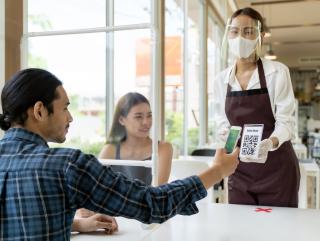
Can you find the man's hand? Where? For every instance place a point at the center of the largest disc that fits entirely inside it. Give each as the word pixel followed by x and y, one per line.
pixel 84 213
pixel 95 222
pixel 227 163
pixel 223 165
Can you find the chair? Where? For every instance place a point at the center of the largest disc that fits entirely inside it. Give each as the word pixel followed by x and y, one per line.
pixel 219 187
pixel 203 152
pixel 184 168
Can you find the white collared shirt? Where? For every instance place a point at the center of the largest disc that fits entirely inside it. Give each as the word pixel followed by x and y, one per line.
pixel 280 92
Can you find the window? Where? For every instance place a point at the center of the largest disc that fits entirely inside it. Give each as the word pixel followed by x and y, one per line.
pixel 128 12
pixel 193 72
pixel 214 42
pixel 132 63
pixel 60 15
pixel 71 39
pixel 102 49
pixel 174 74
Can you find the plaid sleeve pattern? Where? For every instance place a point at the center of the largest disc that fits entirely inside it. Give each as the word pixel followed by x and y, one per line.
pixel 98 188
pixel 33 201
pixel 41 187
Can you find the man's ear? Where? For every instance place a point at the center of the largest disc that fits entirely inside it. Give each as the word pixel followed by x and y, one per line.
pixel 40 112
pixel 121 120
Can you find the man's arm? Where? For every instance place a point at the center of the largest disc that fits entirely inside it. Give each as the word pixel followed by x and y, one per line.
pixel 97 188
pixel 223 165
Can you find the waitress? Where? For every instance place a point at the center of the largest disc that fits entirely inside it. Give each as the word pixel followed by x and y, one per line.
pixel 255 91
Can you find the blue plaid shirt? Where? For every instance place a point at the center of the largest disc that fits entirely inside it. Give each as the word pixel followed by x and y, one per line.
pixel 41 187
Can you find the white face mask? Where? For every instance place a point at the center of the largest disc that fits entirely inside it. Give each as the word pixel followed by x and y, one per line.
pixel 241 47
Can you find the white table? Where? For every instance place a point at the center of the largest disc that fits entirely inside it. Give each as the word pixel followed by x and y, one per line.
pixel 225 222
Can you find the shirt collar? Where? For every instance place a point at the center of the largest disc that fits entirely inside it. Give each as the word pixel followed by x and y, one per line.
pixel 231 75
pixel 268 68
pixel 25 135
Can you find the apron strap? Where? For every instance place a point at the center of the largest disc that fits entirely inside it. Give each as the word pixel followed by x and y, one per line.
pixel 262 77
pixel 228 89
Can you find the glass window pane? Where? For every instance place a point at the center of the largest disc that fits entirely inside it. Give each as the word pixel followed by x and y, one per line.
pixel 132 62
pixel 79 62
pixel 131 12
pixel 214 66
pixel 193 73
pixel 44 15
pixel 173 74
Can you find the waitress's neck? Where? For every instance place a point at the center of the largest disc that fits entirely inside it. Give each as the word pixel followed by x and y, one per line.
pixel 244 65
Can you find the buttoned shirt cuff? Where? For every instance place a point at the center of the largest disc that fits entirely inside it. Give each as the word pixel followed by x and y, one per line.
pixel 282 136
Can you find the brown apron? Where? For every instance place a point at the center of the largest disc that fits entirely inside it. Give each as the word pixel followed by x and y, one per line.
pixel 276 182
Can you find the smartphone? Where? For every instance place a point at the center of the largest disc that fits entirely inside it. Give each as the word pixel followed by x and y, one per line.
pixel 233 138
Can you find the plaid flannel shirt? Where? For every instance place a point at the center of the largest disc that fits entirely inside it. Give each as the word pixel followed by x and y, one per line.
pixel 41 187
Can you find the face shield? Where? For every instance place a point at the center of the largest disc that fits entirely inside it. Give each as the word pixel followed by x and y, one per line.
pixel 242 40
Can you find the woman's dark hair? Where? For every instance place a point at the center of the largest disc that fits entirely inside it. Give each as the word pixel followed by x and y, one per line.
pixel 250 12
pixel 124 105
pixel 22 91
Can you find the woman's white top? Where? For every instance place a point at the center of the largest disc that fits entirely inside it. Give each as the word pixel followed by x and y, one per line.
pixel 280 92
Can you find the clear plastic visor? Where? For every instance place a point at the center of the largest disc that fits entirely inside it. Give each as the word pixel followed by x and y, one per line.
pixel 248 32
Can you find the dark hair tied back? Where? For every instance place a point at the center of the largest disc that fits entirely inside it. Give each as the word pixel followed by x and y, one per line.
pixel 23 90
pixel 4 122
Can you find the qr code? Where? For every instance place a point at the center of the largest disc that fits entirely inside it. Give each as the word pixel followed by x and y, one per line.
pixel 249 145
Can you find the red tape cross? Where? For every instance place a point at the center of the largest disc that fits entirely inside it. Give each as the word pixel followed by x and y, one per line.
pixel 266 210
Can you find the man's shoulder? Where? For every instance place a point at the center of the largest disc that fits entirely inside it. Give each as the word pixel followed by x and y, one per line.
pixel 66 155
pixel 32 156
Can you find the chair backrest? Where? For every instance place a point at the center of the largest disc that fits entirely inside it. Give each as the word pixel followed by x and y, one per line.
pixel 203 152
pixel 185 168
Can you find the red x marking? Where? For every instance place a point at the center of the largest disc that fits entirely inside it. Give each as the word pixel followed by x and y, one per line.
pixel 266 210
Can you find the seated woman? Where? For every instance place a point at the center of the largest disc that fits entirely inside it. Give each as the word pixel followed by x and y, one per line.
pixel 129 140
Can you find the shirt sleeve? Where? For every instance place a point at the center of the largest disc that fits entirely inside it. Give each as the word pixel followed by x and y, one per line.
pixel 219 99
pixel 284 107
pixel 100 189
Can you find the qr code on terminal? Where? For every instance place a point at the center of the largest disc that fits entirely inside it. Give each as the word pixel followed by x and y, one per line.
pixel 249 145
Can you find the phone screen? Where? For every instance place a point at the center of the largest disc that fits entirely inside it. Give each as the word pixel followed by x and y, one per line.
pixel 232 140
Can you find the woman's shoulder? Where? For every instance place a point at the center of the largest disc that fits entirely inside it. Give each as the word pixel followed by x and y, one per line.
pixel 108 151
pixel 222 74
pixel 164 145
pixel 274 65
pixel 165 149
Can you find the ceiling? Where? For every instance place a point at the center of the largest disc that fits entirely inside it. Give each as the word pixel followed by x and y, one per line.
pixel 295 30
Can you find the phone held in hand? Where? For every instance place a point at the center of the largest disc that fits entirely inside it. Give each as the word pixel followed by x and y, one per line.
pixel 232 139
